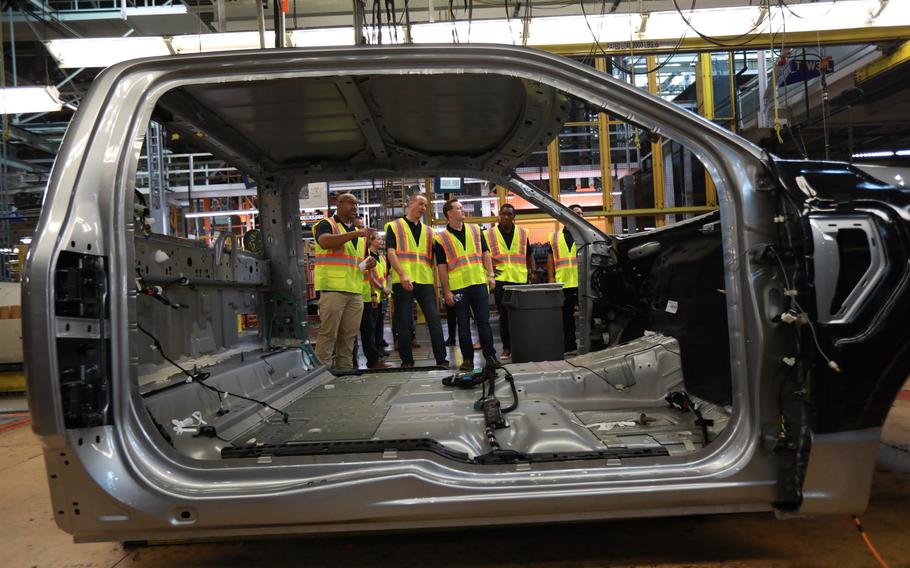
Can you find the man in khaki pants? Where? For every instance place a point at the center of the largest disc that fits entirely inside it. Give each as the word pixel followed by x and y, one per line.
pixel 341 262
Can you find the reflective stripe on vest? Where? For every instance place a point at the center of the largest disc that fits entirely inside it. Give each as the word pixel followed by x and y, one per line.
pixel 336 269
pixel 565 260
pixel 512 261
pixel 415 257
pixel 464 263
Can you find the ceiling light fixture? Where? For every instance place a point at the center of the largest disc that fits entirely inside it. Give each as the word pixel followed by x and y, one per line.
pixel 20 100
pixel 611 30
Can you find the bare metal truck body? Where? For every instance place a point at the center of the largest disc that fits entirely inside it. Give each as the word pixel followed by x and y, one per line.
pixel 801 402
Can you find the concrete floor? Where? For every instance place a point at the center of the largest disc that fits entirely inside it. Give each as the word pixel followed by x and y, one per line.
pixel 29 537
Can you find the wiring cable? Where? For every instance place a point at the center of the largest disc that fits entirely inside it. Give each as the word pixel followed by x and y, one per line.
pixel 200 377
pixel 795 303
pixel 717 41
pixel 862 533
pixel 597 44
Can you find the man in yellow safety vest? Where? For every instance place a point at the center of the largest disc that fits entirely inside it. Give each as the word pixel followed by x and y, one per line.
pixel 513 260
pixel 341 261
pixel 466 275
pixel 409 248
pixel 562 266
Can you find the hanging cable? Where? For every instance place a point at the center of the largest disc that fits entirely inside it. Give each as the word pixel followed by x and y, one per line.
pixel 859 526
pixel 717 41
pixel 199 377
pixel 673 52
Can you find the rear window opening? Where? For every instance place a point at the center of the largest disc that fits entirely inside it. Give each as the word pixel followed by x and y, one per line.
pixel 226 308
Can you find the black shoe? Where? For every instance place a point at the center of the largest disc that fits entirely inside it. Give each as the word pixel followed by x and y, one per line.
pixel 450 342
pixel 444 365
pixel 383 343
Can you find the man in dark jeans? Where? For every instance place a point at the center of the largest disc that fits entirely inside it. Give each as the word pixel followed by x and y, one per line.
pixel 466 275
pixel 562 266
pixel 409 248
pixel 513 262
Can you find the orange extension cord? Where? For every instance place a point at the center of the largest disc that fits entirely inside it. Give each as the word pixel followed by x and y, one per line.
pixel 859 526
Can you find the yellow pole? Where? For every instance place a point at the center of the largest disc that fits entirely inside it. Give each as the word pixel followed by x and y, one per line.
pixel 704 92
pixel 430 215
pixel 603 140
pixel 553 167
pixel 502 193
pixel 657 152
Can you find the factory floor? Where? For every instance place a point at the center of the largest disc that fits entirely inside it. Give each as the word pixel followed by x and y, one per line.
pixel 29 537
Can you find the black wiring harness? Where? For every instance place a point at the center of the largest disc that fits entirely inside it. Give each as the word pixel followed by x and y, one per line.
pixel 199 377
pixel 489 404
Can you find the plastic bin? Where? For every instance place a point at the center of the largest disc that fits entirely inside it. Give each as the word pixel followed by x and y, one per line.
pixel 535 321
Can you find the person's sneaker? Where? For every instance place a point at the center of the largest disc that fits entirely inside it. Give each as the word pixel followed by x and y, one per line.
pixel 466 366
pixel 407 366
pixel 379 365
pixel 450 342
pixel 506 354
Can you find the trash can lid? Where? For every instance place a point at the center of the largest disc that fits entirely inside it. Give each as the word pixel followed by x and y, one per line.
pixel 534 287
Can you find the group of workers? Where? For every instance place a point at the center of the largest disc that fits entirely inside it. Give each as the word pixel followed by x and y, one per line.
pixel 352 280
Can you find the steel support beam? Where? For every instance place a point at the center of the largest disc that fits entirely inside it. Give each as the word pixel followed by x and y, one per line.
pixel 33 140
pixel 704 92
pixel 553 166
pixel 893 59
pixel 657 150
pixel 603 146
pixel 358 105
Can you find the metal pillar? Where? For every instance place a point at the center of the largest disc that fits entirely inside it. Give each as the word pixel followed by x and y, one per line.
pixel 154 149
pixel 279 23
pixel 260 18
pixel 430 215
pixel 704 90
pixel 502 193
pixel 553 166
pixel 603 146
pixel 359 10
pixel 657 151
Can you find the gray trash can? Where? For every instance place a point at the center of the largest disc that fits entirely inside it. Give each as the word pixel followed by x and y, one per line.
pixel 535 321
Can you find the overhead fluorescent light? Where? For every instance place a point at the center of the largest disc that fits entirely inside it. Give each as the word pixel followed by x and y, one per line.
pixel 615 193
pixel 200 214
pixel 902 153
pixel 19 100
pixel 614 31
pixel 104 52
pixel 881 154
pixel 26 240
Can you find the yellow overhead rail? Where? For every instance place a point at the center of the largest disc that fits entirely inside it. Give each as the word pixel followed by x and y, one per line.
pixel 886 62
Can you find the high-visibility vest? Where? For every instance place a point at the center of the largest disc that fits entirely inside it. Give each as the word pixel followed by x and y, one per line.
pixel 464 262
pixel 370 293
pixel 416 258
pixel 565 260
pixel 511 261
pixel 336 269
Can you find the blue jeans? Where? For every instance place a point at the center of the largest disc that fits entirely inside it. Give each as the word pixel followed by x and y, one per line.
pixel 425 294
pixel 476 299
